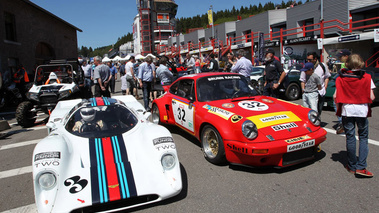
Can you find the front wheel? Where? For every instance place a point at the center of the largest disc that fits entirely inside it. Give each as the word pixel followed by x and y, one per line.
pixel 24 115
pixel 213 146
pixel 155 117
pixel 293 92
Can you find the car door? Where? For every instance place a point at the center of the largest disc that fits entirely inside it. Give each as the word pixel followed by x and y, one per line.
pixel 183 95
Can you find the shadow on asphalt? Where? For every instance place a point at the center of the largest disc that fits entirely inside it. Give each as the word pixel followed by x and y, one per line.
pixel 267 170
pixel 182 195
pixel 340 157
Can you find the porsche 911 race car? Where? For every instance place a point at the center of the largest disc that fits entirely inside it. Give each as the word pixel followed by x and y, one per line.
pixel 235 123
pixel 103 155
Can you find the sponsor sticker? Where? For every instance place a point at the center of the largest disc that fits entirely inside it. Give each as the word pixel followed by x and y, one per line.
pixel 267 100
pixel 284 126
pixel 301 145
pixel 218 111
pixel 274 118
pixel 236 118
pixel 165 147
pixel 253 105
pixel 228 105
pixel 301 138
pixel 47 155
pixel 161 140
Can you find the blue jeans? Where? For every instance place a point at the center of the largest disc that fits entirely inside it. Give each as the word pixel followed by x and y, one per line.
pixel 146 88
pixel 353 161
pixel 310 100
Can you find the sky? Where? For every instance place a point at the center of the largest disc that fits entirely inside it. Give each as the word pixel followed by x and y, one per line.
pixel 103 22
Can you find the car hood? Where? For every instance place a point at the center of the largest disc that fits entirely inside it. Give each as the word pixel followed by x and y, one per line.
pixel 124 166
pixel 276 119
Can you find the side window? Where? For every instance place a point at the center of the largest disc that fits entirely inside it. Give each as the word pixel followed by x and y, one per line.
pixel 174 88
pixel 186 89
pixel 183 88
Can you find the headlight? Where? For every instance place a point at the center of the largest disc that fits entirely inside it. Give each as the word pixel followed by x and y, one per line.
pixel 168 161
pixel 314 117
pixel 249 130
pixel 32 96
pixel 47 180
pixel 64 94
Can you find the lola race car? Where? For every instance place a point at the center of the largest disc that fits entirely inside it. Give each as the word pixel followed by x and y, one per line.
pixel 234 123
pixel 102 155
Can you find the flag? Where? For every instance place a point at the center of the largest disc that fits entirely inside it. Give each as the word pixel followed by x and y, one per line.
pixel 210 17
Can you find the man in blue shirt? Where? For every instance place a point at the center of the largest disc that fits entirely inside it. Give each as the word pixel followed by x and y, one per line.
pixel 146 75
pixel 243 66
pixel 114 76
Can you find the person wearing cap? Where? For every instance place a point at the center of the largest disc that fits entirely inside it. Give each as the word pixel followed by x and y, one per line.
pixel 342 55
pixel 310 86
pixel 323 72
pixel 353 96
pixel 274 74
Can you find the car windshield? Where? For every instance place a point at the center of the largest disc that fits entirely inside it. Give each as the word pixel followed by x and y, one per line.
pixel 49 74
pixel 221 87
pixel 257 71
pixel 101 121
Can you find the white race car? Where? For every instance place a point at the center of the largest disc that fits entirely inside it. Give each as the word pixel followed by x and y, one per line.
pixel 103 155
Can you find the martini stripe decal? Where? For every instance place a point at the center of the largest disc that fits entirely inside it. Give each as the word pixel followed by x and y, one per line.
pixel 111 172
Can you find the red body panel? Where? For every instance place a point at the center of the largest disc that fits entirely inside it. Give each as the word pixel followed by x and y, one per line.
pixel 276 120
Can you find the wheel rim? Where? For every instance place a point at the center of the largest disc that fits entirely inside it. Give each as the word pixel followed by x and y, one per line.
pixel 155 115
pixel 210 143
pixel 293 92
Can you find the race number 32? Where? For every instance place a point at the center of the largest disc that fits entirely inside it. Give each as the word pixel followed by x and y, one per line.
pixel 253 105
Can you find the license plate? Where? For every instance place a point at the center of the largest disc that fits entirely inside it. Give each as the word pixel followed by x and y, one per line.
pixel 302 145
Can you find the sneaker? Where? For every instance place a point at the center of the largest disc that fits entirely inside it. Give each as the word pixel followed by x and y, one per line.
pixel 340 130
pixel 363 172
pixel 349 170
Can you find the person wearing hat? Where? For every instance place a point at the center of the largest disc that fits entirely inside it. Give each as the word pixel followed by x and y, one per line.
pixel 342 55
pixel 310 86
pixel 274 74
pixel 353 96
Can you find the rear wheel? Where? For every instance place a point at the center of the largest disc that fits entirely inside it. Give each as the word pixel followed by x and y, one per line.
pixel 293 92
pixel 24 115
pixel 213 146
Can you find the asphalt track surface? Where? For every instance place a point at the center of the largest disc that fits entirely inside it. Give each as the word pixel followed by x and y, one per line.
pixel 322 185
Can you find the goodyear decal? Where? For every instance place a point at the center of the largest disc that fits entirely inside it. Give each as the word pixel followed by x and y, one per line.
pixel 111 173
pixel 219 112
pixel 271 119
pixel 301 138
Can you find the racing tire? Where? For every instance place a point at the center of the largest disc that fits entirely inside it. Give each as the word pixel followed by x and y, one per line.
pixel 24 116
pixel 212 145
pixel 293 92
pixel 155 115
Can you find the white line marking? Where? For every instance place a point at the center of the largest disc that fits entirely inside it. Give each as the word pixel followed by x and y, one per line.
pixel 15 145
pixel 373 142
pixel 14 172
pixel 22 209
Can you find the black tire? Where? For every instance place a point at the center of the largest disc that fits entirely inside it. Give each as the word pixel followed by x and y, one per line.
pixel 212 145
pixel 293 92
pixel 155 115
pixel 24 116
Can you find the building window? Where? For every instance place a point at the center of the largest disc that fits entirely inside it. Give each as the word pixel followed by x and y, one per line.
pixel 10 27
pixel 163 18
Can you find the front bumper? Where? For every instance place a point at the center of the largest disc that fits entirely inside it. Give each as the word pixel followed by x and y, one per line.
pixel 275 153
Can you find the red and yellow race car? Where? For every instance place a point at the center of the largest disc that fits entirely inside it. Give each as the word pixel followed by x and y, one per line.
pixel 235 123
